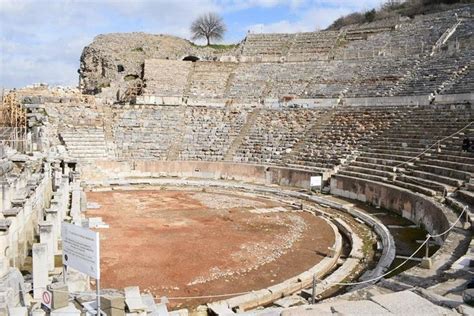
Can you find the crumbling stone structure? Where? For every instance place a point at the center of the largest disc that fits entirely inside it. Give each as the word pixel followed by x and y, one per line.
pixel 116 61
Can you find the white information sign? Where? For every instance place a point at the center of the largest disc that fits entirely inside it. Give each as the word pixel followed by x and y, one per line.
pixel 316 181
pixel 81 249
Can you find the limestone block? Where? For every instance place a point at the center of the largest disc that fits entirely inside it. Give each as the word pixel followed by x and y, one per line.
pixel 38 312
pixel 308 310
pixel 114 302
pixel 18 311
pixel 136 314
pixel 69 310
pixel 289 301
pixel 47 237
pixel 426 263
pixel 113 311
pixel 358 308
pixel 40 269
pixel 133 299
pixel 406 303
pixel 60 295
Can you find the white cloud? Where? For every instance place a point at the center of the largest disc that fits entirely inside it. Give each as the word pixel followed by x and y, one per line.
pixel 235 5
pixel 311 15
pixel 41 40
pixel 311 20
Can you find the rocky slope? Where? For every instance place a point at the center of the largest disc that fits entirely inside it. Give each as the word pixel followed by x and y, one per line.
pixel 117 59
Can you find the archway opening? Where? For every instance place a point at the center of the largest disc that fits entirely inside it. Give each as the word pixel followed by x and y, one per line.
pixel 191 58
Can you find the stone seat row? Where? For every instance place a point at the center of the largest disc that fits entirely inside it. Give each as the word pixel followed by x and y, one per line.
pixel 402 154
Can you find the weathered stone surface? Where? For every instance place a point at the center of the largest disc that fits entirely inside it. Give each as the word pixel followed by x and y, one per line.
pixel 407 303
pixel 117 59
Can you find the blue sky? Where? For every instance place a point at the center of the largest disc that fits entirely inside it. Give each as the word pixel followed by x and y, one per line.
pixel 42 40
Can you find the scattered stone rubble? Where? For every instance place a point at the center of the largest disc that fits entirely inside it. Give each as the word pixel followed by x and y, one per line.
pixel 262 253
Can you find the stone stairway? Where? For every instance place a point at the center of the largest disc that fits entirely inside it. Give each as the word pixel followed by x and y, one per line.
pixel 252 117
pixel 410 75
pixel 175 147
pixel 445 37
pixel 228 83
pixel 343 133
pixel 108 116
pixel 85 142
pixel 318 126
pixel 432 71
pixel 455 79
pixel 189 80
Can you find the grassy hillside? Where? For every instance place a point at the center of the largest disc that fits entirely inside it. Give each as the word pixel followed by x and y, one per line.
pixel 393 8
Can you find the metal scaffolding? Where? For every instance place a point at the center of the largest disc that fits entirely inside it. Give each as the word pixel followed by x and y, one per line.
pixel 13 122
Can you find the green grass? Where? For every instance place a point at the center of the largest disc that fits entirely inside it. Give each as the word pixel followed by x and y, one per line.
pixel 223 46
pixel 217 46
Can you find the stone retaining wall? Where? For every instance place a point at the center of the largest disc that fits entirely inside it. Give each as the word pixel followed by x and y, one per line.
pixel 308 102
pixel 259 174
pixel 413 206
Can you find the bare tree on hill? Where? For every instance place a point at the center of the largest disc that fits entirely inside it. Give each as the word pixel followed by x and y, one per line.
pixel 208 26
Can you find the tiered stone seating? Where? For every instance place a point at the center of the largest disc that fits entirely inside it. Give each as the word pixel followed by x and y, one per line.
pixel 463 80
pixel 313 45
pixel 290 79
pixel 249 81
pixel 431 74
pixel 375 77
pixel 406 39
pixel 166 77
pixel 209 132
pixel 321 88
pixel 463 84
pixel 267 44
pixel 401 154
pixel 276 80
pixel 85 142
pixel 209 79
pixel 384 60
pixel 146 132
pixel 329 82
pixel 275 133
pixel 466 196
pixel 341 134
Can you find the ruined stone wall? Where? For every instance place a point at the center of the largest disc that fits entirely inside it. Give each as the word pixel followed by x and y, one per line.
pixel 104 170
pixel 415 207
pixel 117 59
pixel 166 77
pixel 35 201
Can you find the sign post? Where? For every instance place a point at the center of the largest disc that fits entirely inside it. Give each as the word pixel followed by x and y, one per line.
pixel 81 251
pixel 97 292
pixel 316 182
